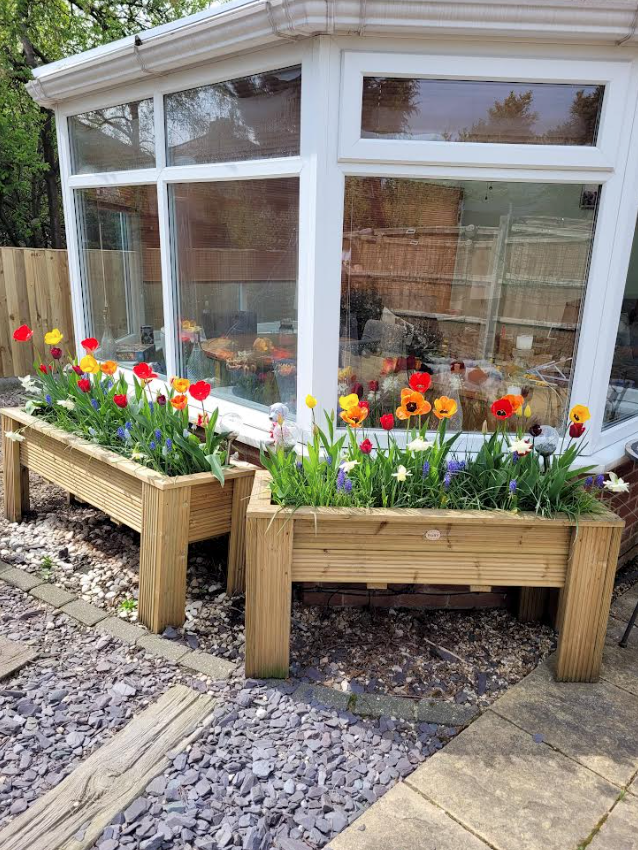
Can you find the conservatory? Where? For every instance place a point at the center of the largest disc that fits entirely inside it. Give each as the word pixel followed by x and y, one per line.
pixel 286 197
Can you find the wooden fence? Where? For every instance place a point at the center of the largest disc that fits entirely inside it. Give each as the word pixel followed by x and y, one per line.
pixel 34 290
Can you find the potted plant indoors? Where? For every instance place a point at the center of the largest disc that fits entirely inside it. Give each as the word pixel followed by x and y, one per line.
pixel 519 511
pixel 136 456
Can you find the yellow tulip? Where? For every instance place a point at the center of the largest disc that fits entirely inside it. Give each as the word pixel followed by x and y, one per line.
pixel 579 413
pixel 348 401
pixel 181 385
pixel 89 365
pixel 311 401
pixel 53 337
pixel 527 413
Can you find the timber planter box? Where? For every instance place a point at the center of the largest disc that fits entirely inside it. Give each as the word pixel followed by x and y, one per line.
pixel 169 512
pixel 413 546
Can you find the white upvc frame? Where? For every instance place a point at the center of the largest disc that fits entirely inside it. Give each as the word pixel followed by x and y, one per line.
pixel 356 65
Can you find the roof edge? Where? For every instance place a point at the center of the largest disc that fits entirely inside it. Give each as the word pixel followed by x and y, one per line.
pixel 251 24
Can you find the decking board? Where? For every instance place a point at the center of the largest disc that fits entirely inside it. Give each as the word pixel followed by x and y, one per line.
pixel 13 656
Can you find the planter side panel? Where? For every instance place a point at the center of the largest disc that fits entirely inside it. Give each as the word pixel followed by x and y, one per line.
pixel 98 483
pixel 211 510
pixel 431 553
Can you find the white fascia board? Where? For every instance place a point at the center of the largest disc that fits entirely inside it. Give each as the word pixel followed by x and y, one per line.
pixel 246 25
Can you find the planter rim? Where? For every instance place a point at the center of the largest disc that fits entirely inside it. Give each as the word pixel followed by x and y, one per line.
pixel 128 466
pixel 261 506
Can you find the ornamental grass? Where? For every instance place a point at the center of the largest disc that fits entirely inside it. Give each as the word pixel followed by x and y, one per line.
pixel 533 469
pixel 91 400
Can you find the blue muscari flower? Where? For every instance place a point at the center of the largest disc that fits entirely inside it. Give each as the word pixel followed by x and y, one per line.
pixel 447 480
pixel 95 404
pixel 169 443
pixel 426 469
pixel 128 425
pixel 589 482
pixel 300 466
pixel 121 433
pixel 600 481
pixel 455 466
pixel 329 460
pixel 515 457
pixel 151 405
pixel 152 445
pixel 348 486
pixel 158 434
pixel 341 480
pixel 513 486
pixel 48 398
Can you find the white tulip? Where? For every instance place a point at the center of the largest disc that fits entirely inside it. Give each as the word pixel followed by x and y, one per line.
pixel 419 445
pixel 67 403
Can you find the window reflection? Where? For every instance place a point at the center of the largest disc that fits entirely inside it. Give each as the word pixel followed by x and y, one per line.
pixel 622 394
pixel 121 275
pixel 480 111
pixel 236 270
pixel 117 138
pixel 253 117
pixel 479 284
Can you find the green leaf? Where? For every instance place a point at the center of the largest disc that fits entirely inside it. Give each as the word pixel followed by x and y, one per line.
pixel 216 468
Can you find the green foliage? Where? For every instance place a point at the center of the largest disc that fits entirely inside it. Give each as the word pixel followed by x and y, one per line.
pixel 127 605
pixel 151 433
pixel 34 33
pixel 335 471
pixel 46 565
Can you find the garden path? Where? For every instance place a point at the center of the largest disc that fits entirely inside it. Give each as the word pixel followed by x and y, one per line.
pixel 547 767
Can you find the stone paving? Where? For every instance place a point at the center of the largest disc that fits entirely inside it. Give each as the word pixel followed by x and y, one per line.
pixel 549 766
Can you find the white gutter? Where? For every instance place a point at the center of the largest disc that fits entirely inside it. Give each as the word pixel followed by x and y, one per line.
pixel 249 24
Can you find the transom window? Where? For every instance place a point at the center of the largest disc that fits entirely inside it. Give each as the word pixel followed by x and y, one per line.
pixel 117 138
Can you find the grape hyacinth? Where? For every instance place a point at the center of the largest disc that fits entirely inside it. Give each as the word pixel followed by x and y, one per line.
pixel 95 404
pixel 426 469
pixel 341 480
pixel 513 486
pixel 169 443
pixel 158 434
pixel 589 482
pixel 121 433
pixel 152 445
pixel 600 481
pixel 447 480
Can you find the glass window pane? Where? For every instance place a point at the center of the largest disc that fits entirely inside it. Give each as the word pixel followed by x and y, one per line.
pixel 479 284
pixel 622 395
pixel 236 271
pixel 254 117
pixel 117 138
pixel 480 111
pixel 121 273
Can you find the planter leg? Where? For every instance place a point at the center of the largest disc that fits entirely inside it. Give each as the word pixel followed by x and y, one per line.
pixel 585 602
pixel 14 496
pixel 532 603
pixel 236 578
pixel 268 592
pixel 163 556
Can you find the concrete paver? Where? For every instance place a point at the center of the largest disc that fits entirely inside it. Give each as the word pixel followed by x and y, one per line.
pixel 156 645
pixel 620 666
pixel 620 830
pixel 512 792
pixel 587 722
pixel 20 578
pixel 210 665
pixel 403 820
pixel 52 595
pixel 121 629
pixel 84 612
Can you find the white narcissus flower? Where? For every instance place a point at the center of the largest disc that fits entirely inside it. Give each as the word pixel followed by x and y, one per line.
pixel 401 474
pixel 67 403
pixel 520 447
pixel 419 445
pixel 137 455
pixel 14 436
pixel 348 465
pixel 616 484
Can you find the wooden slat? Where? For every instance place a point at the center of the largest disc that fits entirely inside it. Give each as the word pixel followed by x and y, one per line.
pixel 13 656
pixel 12 475
pixel 532 604
pixel 210 509
pixel 236 578
pixel 586 600
pixel 163 557
pixel 268 597
pixel 73 814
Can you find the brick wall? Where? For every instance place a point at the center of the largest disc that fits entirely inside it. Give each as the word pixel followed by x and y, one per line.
pixel 626 506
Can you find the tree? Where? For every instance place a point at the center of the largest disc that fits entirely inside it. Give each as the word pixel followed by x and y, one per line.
pixel 510 119
pixel 33 33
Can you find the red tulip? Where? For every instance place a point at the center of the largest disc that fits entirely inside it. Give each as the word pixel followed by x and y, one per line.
pixel 120 400
pixel 161 400
pixel 365 404
pixel 144 372
pixel 387 421
pixel 410 362
pixel 502 408
pixel 56 353
pixel 576 429
pixel 76 369
pixel 373 386
pixel 90 344
pixel 420 382
pixel 84 384
pixel 358 389
pixel 23 333
pixel 200 390
pixel 366 446
pixel 44 369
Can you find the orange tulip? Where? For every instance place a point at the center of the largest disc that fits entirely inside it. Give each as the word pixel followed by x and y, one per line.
pixel 180 384
pixel 516 401
pixel 412 404
pixel 354 416
pixel 109 367
pixel 179 402
pixel 444 407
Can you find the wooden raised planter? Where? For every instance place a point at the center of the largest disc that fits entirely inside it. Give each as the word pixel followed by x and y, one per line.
pixel 413 546
pixel 169 512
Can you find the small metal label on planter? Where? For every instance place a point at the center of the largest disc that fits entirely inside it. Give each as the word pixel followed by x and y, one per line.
pixel 433 534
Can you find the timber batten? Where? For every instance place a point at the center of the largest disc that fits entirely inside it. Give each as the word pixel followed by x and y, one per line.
pixel 415 546
pixel 169 512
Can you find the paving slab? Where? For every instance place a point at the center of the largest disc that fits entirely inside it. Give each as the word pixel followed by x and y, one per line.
pixel 445 713
pixel 4 567
pixel 210 665
pixel 13 656
pixel 52 595
pixel 121 629
pixel 20 578
pixel 512 792
pixel 156 645
pixel 324 695
pixel 590 723
pixel 84 612
pixel 403 820
pixel 623 607
pixel 620 665
pixel 379 705
pixel 620 830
